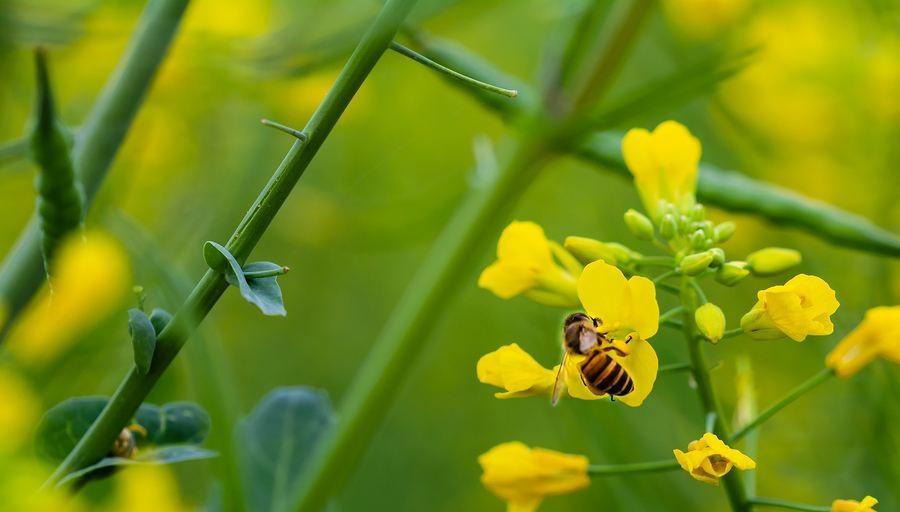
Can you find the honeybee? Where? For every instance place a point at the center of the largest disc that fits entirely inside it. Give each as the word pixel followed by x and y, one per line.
pixel 599 371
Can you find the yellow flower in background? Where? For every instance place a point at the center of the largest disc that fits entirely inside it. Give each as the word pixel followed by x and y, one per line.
pixel 20 480
pixel 524 476
pixel 866 505
pixel 709 459
pixel 511 368
pixel 19 413
pixel 801 307
pixel 147 488
pixel 877 336
pixel 90 279
pixel 664 164
pixel 525 265
pixel 702 19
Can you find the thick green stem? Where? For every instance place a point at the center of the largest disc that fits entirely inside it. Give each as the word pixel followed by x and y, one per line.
pixel 134 389
pixel 98 140
pixel 734 488
pixel 802 389
pixel 637 467
pixel 770 502
pixel 384 369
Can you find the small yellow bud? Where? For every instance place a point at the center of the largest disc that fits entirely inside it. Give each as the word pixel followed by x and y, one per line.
pixel 588 250
pixel 773 260
pixel 732 272
pixel 695 264
pixel 724 231
pixel 639 225
pixel 711 321
pixel 668 227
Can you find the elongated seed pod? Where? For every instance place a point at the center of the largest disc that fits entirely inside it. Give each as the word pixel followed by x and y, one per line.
pixel 60 200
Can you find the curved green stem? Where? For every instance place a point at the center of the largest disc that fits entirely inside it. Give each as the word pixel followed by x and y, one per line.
pixel 796 393
pixel 421 59
pixel 775 503
pixel 665 275
pixel 734 488
pixel 671 314
pixel 731 333
pixel 636 467
pixel 135 387
pixel 675 367
pixel 655 261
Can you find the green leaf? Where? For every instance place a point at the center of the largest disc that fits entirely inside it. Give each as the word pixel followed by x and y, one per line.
pixel 263 292
pixel 63 425
pixel 276 440
pixel 143 339
pixel 161 456
pixel 160 318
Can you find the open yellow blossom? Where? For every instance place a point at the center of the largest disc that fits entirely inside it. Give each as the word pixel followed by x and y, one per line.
pixel 799 308
pixel 854 506
pixel 525 265
pixel 664 163
pixel 523 476
pixel 19 413
pixel 91 277
pixel 629 315
pixel 709 459
pixel 877 336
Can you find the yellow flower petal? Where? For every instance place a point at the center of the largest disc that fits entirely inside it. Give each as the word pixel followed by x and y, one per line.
pixel 801 307
pixel 505 280
pixel 514 370
pixel 866 505
pixel 709 459
pixel 877 336
pixel 621 305
pixel 524 243
pixel 523 476
pixel 641 363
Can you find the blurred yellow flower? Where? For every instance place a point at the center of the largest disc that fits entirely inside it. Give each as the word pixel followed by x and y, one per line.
pixel 664 164
pixel 866 505
pixel 90 279
pixel 20 481
pixel 525 265
pixel 877 336
pixel 523 476
pixel 710 321
pixel 801 307
pixel 709 459
pixel 511 368
pixel 773 260
pixel 702 19
pixel 147 488
pixel 19 413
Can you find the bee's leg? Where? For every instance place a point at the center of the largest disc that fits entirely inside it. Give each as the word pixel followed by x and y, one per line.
pixel 628 339
pixel 612 398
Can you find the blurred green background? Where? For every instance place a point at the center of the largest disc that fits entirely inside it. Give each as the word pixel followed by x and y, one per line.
pixel 817 112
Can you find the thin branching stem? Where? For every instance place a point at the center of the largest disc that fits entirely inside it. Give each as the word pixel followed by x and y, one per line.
pixel 636 467
pixel 135 387
pixel 440 68
pixel 805 387
pixel 671 314
pixel 675 368
pixel 787 505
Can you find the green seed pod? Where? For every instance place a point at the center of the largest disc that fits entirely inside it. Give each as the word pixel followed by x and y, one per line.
pixel 668 227
pixel 732 272
pixel 773 260
pixel 639 225
pixel 724 231
pixel 60 201
pixel 695 264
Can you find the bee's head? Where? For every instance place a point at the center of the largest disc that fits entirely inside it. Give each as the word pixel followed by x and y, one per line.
pixel 572 330
pixel 575 318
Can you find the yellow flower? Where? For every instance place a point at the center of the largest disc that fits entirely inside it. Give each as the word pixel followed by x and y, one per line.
pixel 90 279
pixel 709 459
pixel 525 265
pixel 20 480
pixel 523 476
pixel 801 307
pixel 147 488
pixel 628 310
pixel 511 368
pixel 877 336
pixel 703 19
pixel 19 414
pixel 854 506
pixel 664 164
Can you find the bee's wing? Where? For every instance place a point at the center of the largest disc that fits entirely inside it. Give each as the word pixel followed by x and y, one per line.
pixel 560 375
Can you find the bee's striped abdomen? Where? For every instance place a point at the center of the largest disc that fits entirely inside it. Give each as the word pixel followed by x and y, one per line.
pixel 603 375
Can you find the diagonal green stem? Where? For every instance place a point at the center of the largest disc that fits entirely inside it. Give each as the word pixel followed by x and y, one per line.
pixel 802 389
pixel 734 488
pixel 789 505
pixel 636 467
pixel 98 141
pixel 135 387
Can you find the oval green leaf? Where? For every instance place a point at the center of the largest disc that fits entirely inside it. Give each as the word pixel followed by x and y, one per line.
pixel 143 339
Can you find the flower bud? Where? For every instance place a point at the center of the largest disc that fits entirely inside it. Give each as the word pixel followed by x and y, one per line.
pixel 724 231
pixel 710 321
pixel 588 250
pixel 698 212
pixel 698 240
pixel 718 256
pixel 668 227
pixel 639 225
pixel 695 264
pixel 731 273
pixel 772 260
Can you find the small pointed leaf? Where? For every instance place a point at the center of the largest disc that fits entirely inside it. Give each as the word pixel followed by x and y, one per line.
pixel 262 292
pixel 160 318
pixel 143 339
